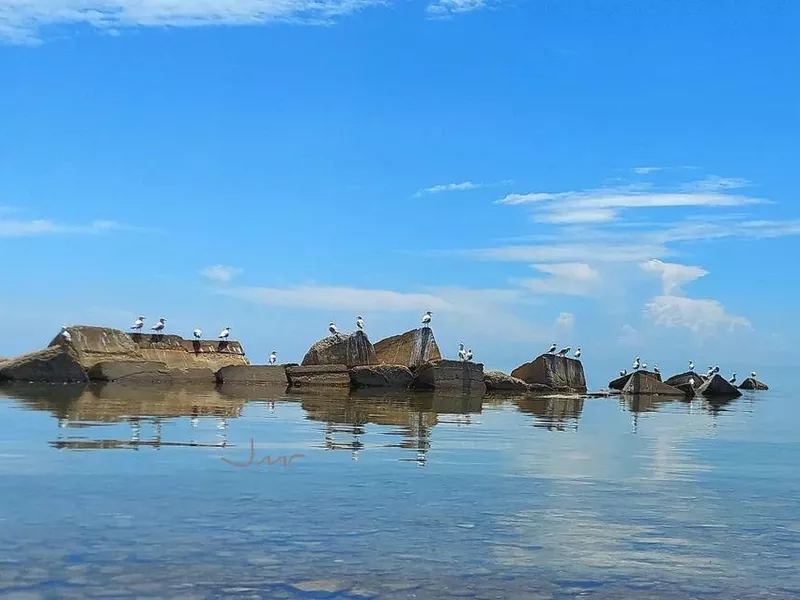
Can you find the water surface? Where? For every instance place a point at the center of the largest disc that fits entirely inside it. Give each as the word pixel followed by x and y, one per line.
pixel 131 493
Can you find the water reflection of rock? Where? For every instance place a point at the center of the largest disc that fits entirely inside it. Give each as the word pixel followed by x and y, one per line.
pixel 641 403
pixel 558 413
pixel 414 415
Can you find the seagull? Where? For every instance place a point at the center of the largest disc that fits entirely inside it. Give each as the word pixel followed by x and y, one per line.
pixel 461 352
pixel 691 365
pixel 564 351
pixel 578 353
pixel 691 381
pixel 360 322
pixel 710 372
pixel 553 348
pixel 753 374
pixel 636 364
pixel 66 334
pixel 623 372
pixel 426 318
pixel 160 325
pixel 716 370
pixel 138 324
pixel 732 379
pixel 332 328
pixel 644 366
pixel 197 334
pixel 223 335
pixel 273 357
pixel 656 370
pixel 468 356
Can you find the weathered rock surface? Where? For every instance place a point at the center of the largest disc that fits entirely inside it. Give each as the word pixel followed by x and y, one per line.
pixel 639 383
pixel 455 375
pixel 412 348
pixel 51 365
pixel 318 375
pixel 253 374
pixel 683 378
pixel 753 384
pixel 687 388
pixel 557 372
pixel 497 381
pixel 133 371
pixel 201 375
pixel 391 376
pixel 619 383
pixel 349 349
pixel 93 345
pixel 718 386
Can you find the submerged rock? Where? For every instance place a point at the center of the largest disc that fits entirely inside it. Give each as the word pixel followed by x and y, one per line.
pixel 557 372
pixel 620 382
pixel 253 374
pixel 412 348
pixel 349 349
pixel 641 383
pixel 718 386
pixel 391 376
pixel 455 375
pixel 753 384
pixel 683 379
pixel 136 371
pixel 318 376
pixel 497 381
pixel 51 365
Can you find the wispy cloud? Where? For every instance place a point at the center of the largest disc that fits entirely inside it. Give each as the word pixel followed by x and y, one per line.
pixel 573 252
pixel 565 320
pixel 442 8
pixel 674 275
pixel 575 279
pixel 221 273
pixel 646 170
pixel 20 228
pixel 455 187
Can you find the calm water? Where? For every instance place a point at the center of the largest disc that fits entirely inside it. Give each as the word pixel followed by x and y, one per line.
pixel 131 493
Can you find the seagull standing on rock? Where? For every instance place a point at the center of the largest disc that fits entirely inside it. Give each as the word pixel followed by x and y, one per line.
pixel 636 364
pixel 732 379
pixel 564 351
pixel 138 324
pixel 273 357
pixel 223 335
pixel 623 372
pixel 578 353
pixel 644 366
pixel 360 323
pixel 426 318
pixel 197 334
pixel 160 325
pixel 332 328
pixel 691 365
pixel 461 352
pixel 753 374
pixel 468 355
pixel 656 370
pixel 553 349
pixel 66 334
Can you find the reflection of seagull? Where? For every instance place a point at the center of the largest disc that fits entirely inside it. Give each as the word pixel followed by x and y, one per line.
pixel 552 348
pixel 578 353
pixel 426 318
pixel 461 352
pixel 197 334
pixel 66 334
pixel 332 328
pixel 273 357
pixel 691 365
pixel 360 322
pixel 160 325
pixel 468 355
pixel 564 351
pixel 223 335
pixel 138 324
pixel 732 379
pixel 636 364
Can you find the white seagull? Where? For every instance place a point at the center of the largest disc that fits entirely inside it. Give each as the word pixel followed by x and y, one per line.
pixel 732 379
pixel 223 335
pixel 197 334
pixel 468 356
pixel 655 369
pixel 66 334
pixel 623 372
pixel 138 324
pixel 160 325
pixel 360 322
pixel 426 318
pixel 273 357
pixel 644 366
pixel 691 365
pixel 636 364
pixel 553 348
pixel 332 328
pixel 578 353
pixel 753 374
pixel 710 372
pixel 716 370
pixel 691 381
pixel 461 352
pixel 564 351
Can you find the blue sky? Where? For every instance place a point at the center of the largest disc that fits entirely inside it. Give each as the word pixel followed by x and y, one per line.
pixel 613 175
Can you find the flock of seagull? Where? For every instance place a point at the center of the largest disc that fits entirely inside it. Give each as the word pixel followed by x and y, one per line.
pixel 564 351
pixel 638 364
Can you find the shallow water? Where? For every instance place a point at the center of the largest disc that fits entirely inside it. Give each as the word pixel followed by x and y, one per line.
pixel 118 493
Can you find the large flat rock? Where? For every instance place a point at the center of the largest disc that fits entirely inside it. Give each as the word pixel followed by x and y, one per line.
pixel 620 382
pixel 319 376
pixel 451 375
pixel 51 365
pixel 753 384
pixel 383 376
pixel 136 371
pixel 349 349
pixel 718 386
pixel 412 348
pixel 560 373
pixel 253 374
pixel 643 384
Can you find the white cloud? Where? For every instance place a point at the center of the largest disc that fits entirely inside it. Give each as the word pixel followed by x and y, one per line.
pixel 572 252
pixel 19 228
pixel 20 19
pixel 448 7
pixel 565 320
pixel 456 187
pixel 646 170
pixel 589 215
pixel 701 316
pixel 713 183
pixel 674 275
pixel 222 273
pixel 629 336
pixel 576 279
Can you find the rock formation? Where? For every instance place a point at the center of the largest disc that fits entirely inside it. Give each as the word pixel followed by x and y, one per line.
pixel 718 386
pixel 253 375
pixel 412 348
pixel 455 375
pixel 619 383
pixel 51 365
pixel 386 376
pixel 349 349
pixel 318 375
pixel 753 384
pixel 131 372
pixel 497 381
pixel 640 383
pixel 557 372
pixel 683 379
